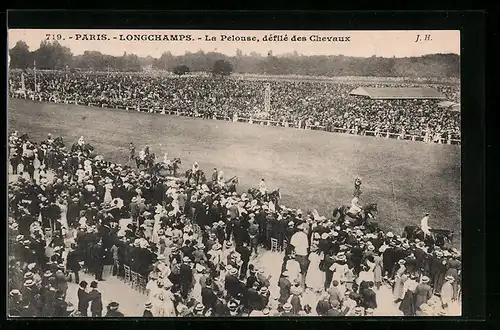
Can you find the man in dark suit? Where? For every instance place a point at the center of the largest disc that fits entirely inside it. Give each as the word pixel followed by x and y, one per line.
pixel 186 277
pixel 369 297
pixel 208 297
pixel 285 287
pixel 83 298
pixel 95 299
pixel 134 209
pixel 245 253
pixel 72 262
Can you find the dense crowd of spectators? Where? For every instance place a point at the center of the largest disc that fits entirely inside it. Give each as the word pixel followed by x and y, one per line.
pixel 194 241
pixel 299 103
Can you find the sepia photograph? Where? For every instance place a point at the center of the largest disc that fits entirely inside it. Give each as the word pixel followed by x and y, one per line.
pixel 245 173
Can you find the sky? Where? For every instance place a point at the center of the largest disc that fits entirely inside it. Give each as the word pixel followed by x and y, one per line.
pixel 361 44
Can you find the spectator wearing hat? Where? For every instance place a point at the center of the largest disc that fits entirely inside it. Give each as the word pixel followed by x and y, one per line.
pixel 253 233
pixel 60 306
pixel 407 305
pixel 73 263
pixel 369 297
pixel 454 268
pixel 208 297
pixel 232 284
pixel 253 299
pixel 15 302
pixel 446 294
pixel 438 267
pixel 48 295
pixel 423 292
pixel 186 277
pixel 262 278
pixel 147 310
pixel 95 299
pixel 285 287
pixel 300 242
pixel 83 298
pixel 287 310
pixel 112 310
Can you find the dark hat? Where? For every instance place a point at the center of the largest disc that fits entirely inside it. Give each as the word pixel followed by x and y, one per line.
pixel 93 284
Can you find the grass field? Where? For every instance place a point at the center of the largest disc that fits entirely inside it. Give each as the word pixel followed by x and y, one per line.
pixel 313 169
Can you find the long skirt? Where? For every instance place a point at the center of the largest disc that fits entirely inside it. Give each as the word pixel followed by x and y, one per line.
pixel 407 305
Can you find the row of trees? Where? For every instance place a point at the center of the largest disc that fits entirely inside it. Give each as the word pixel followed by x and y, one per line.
pixel 55 56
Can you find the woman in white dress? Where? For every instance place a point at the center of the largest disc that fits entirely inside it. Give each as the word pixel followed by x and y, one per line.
pixel 340 268
pixel 315 278
pixel 107 195
pixel 167 307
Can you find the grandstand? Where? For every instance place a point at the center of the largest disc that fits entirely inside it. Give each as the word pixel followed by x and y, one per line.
pixel 398 93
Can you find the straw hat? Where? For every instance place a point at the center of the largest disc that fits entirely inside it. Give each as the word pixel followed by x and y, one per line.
pixel 287 307
pixel 113 305
pixel 29 283
pixel 425 279
pixel 148 305
pixel 233 271
pixel 449 278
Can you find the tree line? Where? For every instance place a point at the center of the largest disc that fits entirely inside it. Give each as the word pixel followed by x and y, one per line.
pixel 52 55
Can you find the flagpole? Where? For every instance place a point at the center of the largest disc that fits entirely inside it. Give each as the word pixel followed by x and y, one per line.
pixel 34 71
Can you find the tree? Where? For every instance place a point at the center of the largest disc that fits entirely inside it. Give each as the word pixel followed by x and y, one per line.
pixel 20 56
pixel 239 53
pixel 222 68
pixel 52 56
pixel 181 70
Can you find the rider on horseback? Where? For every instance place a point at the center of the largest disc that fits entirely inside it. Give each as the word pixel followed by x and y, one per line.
pixel 424 225
pixel 357 187
pixel 49 139
pixel 195 167
pixel 262 187
pixel 355 207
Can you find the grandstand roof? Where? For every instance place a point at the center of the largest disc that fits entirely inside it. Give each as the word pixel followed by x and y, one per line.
pixel 397 93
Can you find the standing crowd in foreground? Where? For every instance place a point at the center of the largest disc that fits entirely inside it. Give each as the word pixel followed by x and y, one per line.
pixel 194 242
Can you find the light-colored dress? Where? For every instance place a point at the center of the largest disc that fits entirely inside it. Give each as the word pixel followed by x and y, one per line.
pixel 107 194
pixel 293 268
pixel 339 272
pixel 315 278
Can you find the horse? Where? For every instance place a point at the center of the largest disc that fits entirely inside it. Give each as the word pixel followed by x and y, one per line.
pixel 367 217
pixel 274 196
pixel 85 148
pixel 174 166
pixel 231 184
pixel 148 162
pixel 438 237
pixel 58 142
pixel 254 192
pixel 198 177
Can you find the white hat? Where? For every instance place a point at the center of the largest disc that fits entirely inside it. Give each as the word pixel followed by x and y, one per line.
pixel 233 271
pixel 390 234
pixel 324 236
pixel 316 235
pixel 425 279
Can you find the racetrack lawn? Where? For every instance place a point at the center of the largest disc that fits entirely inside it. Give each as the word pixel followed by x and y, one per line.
pixel 313 169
